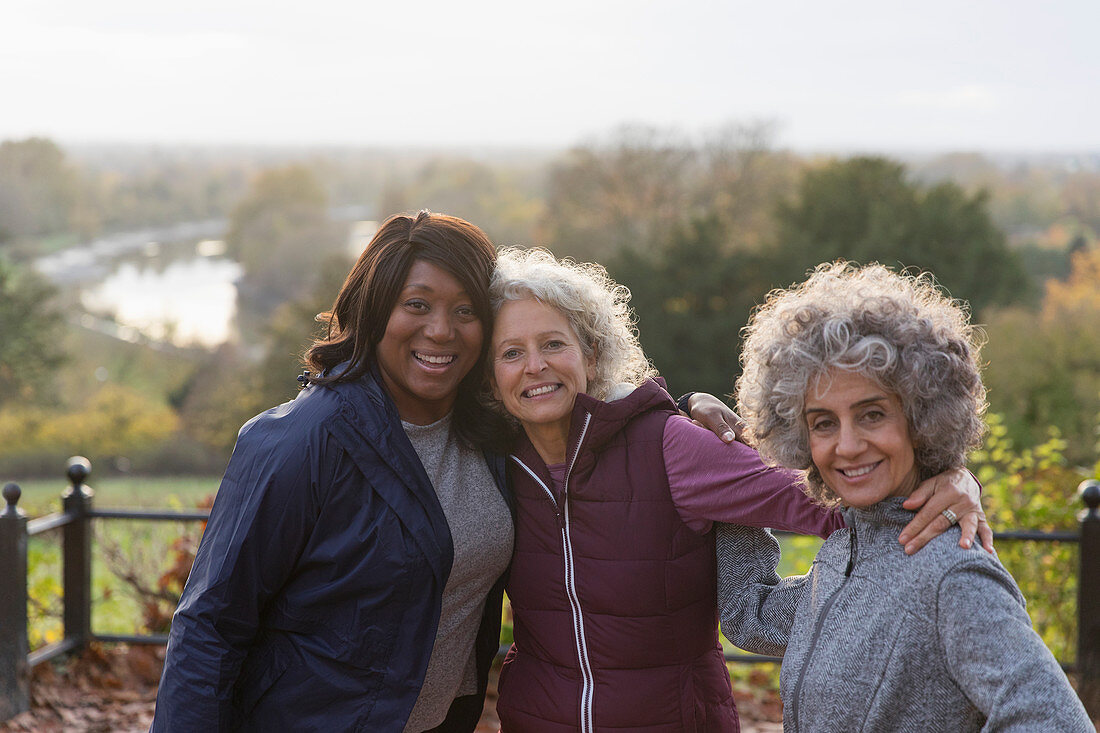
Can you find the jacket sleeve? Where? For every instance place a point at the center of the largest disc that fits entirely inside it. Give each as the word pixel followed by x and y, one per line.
pixel 712 481
pixel 258 526
pixel 756 606
pixel 995 656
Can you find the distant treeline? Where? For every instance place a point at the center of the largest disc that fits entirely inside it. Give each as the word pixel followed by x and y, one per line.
pixel 699 228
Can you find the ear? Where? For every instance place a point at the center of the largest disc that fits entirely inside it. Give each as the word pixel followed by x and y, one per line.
pixel 590 366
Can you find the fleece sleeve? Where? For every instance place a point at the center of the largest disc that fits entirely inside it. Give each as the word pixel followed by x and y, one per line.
pixel 997 659
pixel 756 606
pixel 712 481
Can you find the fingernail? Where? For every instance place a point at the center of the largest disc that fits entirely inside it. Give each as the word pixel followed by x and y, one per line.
pixel 910 549
pixel 728 436
pixel 966 544
pixel 903 538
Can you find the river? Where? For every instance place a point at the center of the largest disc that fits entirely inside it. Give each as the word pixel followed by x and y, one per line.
pixel 166 284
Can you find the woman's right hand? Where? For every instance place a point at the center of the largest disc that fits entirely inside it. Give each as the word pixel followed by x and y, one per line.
pixel 707 411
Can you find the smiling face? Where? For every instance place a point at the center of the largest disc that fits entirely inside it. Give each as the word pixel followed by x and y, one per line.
pixel 433 339
pixel 539 369
pixel 859 439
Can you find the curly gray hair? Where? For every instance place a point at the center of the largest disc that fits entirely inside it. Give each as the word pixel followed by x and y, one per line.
pixel 895 329
pixel 596 306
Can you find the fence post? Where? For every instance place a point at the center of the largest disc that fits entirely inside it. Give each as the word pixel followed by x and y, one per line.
pixel 14 693
pixel 77 554
pixel 1088 600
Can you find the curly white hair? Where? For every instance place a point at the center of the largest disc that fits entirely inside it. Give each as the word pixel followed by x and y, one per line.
pixel 596 306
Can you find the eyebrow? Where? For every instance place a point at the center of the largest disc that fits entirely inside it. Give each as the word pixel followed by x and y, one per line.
pixel 541 335
pixel 867 401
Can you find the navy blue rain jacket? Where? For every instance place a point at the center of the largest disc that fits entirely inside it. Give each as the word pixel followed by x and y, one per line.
pixel 315 594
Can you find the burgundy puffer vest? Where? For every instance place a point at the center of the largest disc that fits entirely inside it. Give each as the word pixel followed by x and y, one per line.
pixel 616 625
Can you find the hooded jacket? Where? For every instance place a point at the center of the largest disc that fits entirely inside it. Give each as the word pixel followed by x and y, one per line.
pixel 315 594
pixel 613 594
pixel 878 640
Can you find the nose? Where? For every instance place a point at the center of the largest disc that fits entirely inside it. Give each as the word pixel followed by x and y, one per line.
pixel 850 442
pixel 439 327
pixel 534 363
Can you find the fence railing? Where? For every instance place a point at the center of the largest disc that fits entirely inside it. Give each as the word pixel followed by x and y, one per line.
pixel 74 523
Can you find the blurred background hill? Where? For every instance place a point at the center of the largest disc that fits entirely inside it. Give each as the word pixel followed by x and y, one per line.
pixel 154 298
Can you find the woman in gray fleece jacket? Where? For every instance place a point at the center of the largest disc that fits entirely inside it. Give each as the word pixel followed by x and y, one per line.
pixel 868 380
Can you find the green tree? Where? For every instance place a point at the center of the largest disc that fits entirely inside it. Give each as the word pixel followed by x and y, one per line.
pixel 503 199
pixel 865 209
pixel 39 190
pixel 290 333
pixel 279 233
pixel 1044 367
pixel 740 181
pixel 692 297
pixel 633 190
pixel 629 193
pixel 31 329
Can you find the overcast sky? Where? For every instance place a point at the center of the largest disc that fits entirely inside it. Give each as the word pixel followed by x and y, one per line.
pixel 833 75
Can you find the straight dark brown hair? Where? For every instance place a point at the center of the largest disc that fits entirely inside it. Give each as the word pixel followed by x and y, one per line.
pixel 361 312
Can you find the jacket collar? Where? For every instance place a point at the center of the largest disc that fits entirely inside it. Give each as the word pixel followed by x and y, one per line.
pixel 369 429
pixel 887 513
pixel 598 422
pixel 878 525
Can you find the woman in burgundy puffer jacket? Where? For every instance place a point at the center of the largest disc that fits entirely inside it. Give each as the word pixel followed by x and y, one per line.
pixel 612 582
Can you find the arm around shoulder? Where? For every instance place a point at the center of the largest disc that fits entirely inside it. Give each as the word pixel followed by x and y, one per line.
pixel 711 481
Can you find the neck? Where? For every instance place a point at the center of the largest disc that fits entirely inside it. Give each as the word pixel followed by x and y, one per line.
pixel 550 441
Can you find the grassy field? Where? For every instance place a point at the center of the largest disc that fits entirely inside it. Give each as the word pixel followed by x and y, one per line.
pixel 177 492
pixel 126 555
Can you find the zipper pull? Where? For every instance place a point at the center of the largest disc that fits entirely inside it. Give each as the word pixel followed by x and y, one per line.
pixel 851 554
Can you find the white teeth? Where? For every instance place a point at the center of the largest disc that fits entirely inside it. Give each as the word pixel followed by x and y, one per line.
pixel 857 472
pixel 428 359
pixel 540 390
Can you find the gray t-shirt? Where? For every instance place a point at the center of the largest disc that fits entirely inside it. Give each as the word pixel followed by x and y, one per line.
pixel 481 531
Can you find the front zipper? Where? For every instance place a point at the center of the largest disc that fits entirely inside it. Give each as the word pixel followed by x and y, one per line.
pixel 587 678
pixel 797 692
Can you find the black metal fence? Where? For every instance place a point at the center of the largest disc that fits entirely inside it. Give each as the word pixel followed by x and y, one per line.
pixel 74 523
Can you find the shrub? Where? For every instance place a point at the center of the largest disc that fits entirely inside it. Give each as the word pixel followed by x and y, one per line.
pixel 1034 489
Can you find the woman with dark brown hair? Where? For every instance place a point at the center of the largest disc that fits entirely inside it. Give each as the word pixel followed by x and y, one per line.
pixel 350 577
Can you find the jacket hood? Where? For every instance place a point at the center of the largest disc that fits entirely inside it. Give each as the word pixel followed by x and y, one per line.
pixel 609 418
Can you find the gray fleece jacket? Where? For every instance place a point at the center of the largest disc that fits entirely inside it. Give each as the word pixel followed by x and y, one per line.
pixel 876 640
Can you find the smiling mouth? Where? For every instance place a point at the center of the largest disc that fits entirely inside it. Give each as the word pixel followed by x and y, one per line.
pixel 538 391
pixel 433 360
pixel 857 472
